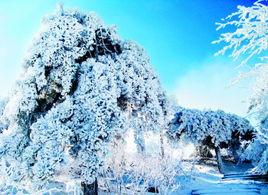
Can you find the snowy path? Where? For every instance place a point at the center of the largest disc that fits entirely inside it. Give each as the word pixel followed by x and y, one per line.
pixel 238 184
pixel 232 188
pixel 237 191
pixel 208 181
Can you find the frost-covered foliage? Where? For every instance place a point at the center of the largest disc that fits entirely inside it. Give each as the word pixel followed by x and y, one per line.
pixel 256 152
pixel 249 41
pixel 259 112
pixel 250 35
pixel 136 173
pixel 258 108
pixel 3 102
pixel 2 106
pixel 81 87
pixel 210 128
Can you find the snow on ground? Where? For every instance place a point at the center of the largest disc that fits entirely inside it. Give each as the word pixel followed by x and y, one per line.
pixel 195 178
pixel 204 180
pixel 207 180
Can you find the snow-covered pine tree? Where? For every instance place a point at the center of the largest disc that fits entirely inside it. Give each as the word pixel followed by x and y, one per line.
pixel 248 40
pixel 81 87
pixel 211 128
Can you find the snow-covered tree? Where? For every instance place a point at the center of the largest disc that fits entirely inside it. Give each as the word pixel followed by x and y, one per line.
pixel 2 106
pixel 3 102
pixel 81 87
pixel 250 32
pixel 249 42
pixel 211 128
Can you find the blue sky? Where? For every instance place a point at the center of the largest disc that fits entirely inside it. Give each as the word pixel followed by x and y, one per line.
pixel 176 34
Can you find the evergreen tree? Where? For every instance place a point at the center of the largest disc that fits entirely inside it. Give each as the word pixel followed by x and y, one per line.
pixel 81 87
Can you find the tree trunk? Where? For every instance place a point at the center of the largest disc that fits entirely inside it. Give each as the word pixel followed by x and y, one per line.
pixel 235 145
pixel 162 144
pixel 219 159
pixel 140 142
pixel 204 152
pixel 90 189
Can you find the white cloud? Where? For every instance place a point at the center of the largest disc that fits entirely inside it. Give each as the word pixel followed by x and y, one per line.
pixel 207 88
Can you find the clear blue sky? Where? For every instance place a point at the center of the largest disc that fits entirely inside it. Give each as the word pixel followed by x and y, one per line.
pixel 176 34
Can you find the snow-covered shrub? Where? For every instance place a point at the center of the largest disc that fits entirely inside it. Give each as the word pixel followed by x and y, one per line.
pixel 133 173
pixel 81 86
pixel 258 110
pixel 254 151
pixel 257 153
pixel 210 128
pixel 249 41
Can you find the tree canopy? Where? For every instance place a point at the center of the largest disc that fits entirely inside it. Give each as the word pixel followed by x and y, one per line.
pixel 81 87
pixel 210 128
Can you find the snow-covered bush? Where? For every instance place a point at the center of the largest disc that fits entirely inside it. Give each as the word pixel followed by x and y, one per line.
pixel 133 173
pixel 258 110
pixel 254 151
pixel 210 128
pixel 81 86
pixel 249 42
